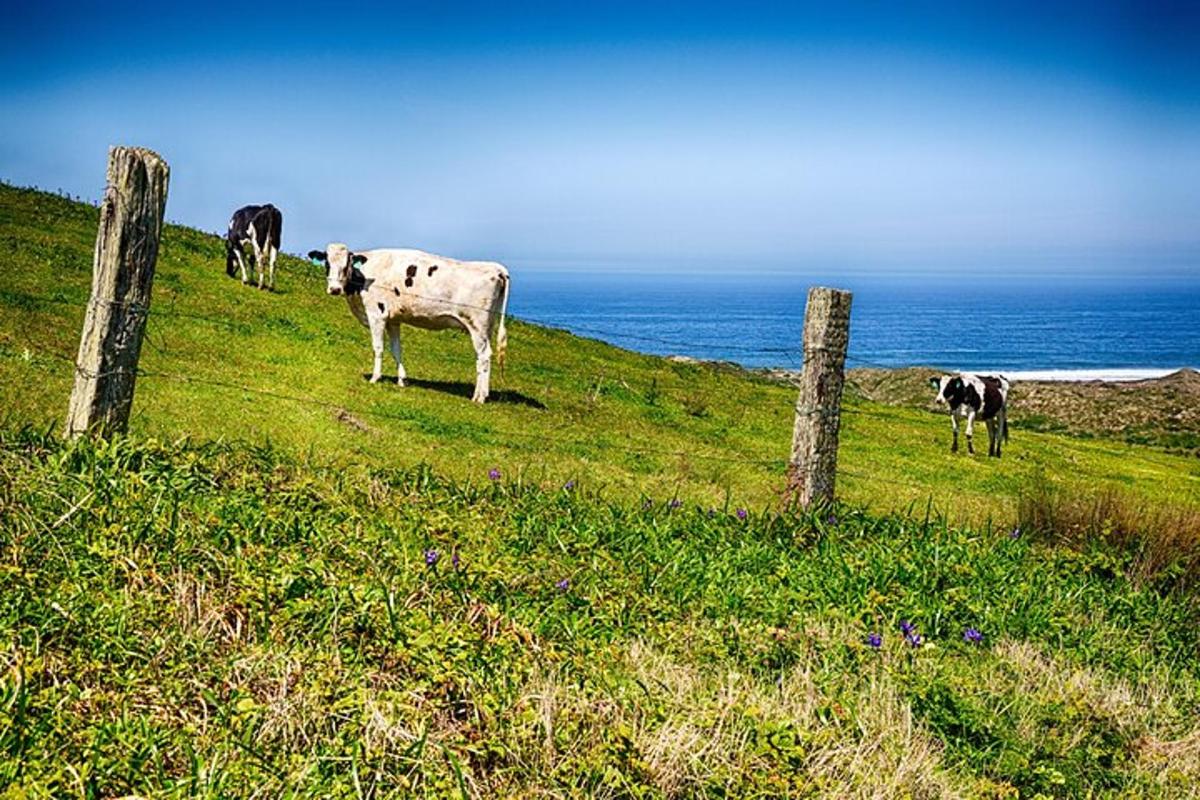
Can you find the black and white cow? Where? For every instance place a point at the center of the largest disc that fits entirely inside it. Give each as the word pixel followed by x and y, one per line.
pixel 386 288
pixel 254 231
pixel 983 397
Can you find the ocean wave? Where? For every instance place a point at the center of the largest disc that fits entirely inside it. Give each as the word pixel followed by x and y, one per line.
pixel 1115 374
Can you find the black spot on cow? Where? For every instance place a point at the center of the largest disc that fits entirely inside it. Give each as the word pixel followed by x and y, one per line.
pixel 432 270
pixel 409 274
pixel 955 392
pixel 397 291
pixel 381 306
pixel 993 400
pixel 357 282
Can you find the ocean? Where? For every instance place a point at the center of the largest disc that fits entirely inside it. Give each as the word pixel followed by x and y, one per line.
pixel 1024 327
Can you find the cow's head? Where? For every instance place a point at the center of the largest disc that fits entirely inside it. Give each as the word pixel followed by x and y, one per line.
pixel 951 390
pixel 340 266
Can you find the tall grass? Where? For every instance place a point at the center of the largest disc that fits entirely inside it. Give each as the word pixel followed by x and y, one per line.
pixel 1159 541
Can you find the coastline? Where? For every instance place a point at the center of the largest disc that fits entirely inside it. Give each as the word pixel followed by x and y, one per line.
pixel 1103 375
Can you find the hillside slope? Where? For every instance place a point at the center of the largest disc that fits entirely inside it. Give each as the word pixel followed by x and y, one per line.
pixel 226 361
pixel 265 590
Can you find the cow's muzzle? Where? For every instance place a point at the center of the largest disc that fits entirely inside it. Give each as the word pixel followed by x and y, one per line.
pixel 334 290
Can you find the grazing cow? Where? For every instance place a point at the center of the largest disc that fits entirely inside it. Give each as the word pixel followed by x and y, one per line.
pixel 975 396
pixel 388 287
pixel 254 230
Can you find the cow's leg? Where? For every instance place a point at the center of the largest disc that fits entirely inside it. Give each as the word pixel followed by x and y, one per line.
pixel 970 431
pixel 1001 430
pixel 241 259
pixel 273 253
pixel 954 425
pixel 259 266
pixel 378 326
pixel 252 240
pixel 483 364
pixel 991 429
pixel 393 330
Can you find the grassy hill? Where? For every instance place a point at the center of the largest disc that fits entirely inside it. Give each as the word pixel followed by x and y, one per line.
pixel 289 582
pixel 228 361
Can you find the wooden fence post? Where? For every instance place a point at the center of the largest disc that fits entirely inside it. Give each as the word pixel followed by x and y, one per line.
pixel 131 217
pixel 812 470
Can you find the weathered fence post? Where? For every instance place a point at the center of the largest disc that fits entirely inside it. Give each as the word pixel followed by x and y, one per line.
pixel 131 216
pixel 813 466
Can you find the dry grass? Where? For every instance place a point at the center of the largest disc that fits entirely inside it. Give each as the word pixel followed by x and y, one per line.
pixel 698 733
pixel 1162 539
pixel 1167 752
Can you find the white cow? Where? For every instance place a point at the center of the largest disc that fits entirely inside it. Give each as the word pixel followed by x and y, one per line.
pixel 388 287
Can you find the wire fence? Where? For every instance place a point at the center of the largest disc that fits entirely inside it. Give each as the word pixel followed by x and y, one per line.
pixel 789 376
pixel 792 356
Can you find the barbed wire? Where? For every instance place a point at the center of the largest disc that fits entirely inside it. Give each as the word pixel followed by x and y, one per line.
pixel 799 361
pixel 782 464
pixel 794 355
pixel 375 413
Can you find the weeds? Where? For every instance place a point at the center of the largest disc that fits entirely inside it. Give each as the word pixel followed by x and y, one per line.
pixel 218 620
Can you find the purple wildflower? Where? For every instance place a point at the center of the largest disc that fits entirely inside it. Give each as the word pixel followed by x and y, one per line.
pixel 1015 533
pixel 907 627
pixel 454 559
pixel 832 520
pixel 914 639
pixel 563 585
pixel 742 513
pixel 676 502
pixel 431 557
pixel 972 635
pixel 875 640
pixel 569 485
pixel 494 474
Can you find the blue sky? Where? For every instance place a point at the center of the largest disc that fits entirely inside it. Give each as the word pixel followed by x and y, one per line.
pixel 1031 139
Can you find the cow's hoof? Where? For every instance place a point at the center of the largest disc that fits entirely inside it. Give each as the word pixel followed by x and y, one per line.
pixel 400 382
pixel 375 378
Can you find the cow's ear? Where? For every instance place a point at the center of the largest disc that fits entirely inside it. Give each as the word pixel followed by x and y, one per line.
pixel 935 382
pixel 357 259
pixel 316 255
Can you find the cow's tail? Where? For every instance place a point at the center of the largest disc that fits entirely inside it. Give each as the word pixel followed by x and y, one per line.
pixel 1004 408
pixel 501 331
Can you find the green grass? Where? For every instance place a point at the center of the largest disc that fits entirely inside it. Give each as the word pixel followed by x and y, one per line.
pixel 566 407
pixel 208 621
pixel 235 599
